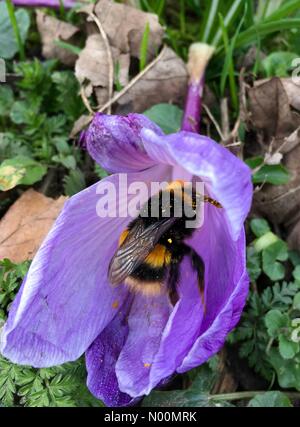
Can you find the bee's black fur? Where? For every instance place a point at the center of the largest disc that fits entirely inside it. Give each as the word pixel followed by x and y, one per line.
pixel 173 241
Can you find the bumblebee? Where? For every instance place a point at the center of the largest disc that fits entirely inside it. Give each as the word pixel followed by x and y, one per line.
pixel 152 247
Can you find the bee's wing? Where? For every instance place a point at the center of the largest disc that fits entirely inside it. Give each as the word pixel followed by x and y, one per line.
pixel 137 245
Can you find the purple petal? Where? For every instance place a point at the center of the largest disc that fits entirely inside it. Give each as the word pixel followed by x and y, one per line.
pixel 115 142
pixel 46 3
pixel 147 319
pixel 66 300
pixel 226 177
pixel 101 359
pixel 226 296
pixel 182 329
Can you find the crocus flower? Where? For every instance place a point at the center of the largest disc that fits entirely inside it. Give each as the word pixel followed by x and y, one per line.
pixel 66 305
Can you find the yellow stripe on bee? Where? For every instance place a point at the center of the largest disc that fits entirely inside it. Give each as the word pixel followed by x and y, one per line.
pixel 159 257
pixel 123 236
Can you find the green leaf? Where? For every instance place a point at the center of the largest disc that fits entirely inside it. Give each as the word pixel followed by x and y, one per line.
pixel 275 320
pixel 67 100
pixel 68 46
pixel 253 263
pixel 6 100
pixel 144 47
pixel 294 257
pixel 254 162
pixel 278 251
pixel 259 226
pixel 74 182
pixel 265 241
pixel 264 29
pixel 270 399
pixel 8 43
pixel 296 301
pixel 20 170
pixel 288 372
pixel 278 63
pixel 296 273
pixel 271 174
pixel 287 349
pixel 25 112
pixel 167 116
pixel 67 161
pixel 197 395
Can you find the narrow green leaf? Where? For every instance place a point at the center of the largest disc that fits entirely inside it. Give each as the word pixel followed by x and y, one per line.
pixel 144 47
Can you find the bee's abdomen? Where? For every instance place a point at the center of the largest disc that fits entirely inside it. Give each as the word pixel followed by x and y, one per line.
pixel 149 277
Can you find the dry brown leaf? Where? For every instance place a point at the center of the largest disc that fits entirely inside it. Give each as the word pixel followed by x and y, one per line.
pixel 92 67
pixel 294 237
pixel 226 382
pixel 292 88
pixel 80 124
pixel 270 111
pixel 52 29
pixel 166 81
pixel 276 128
pixel 125 26
pixel 25 225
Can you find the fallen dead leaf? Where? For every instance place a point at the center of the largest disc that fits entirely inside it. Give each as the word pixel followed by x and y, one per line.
pixel 226 382
pixel 270 111
pixel 92 68
pixel 292 88
pixel 125 26
pixel 166 81
pixel 80 124
pixel 26 223
pixel 275 125
pixel 52 29
pixel 294 237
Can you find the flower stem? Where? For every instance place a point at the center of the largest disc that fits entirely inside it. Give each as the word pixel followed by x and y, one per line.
pixel 14 24
pixel 248 395
pixel 199 56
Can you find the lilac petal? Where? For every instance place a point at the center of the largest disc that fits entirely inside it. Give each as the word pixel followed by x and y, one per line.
pixel 101 359
pixel 66 300
pixel 46 3
pixel 147 319
pixel 226 177
pixel 115 143
pixel 215 329
pixel 182 329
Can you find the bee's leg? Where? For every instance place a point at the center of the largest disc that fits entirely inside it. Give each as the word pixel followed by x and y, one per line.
pixel 174 274
pixel 198 266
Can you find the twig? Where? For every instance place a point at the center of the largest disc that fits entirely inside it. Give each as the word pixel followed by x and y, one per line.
pixel 85 100
pixel 109 58
pixel 248 395
pixel 132 82
pixel 124 90
pixel 234 144
pixel 283 196
pixel 216 124
pixel 225 118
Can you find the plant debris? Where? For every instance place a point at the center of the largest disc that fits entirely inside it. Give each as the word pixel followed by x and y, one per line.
pixel 125 26
pixel 52 30
pixel 26 224
pixel 275 125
